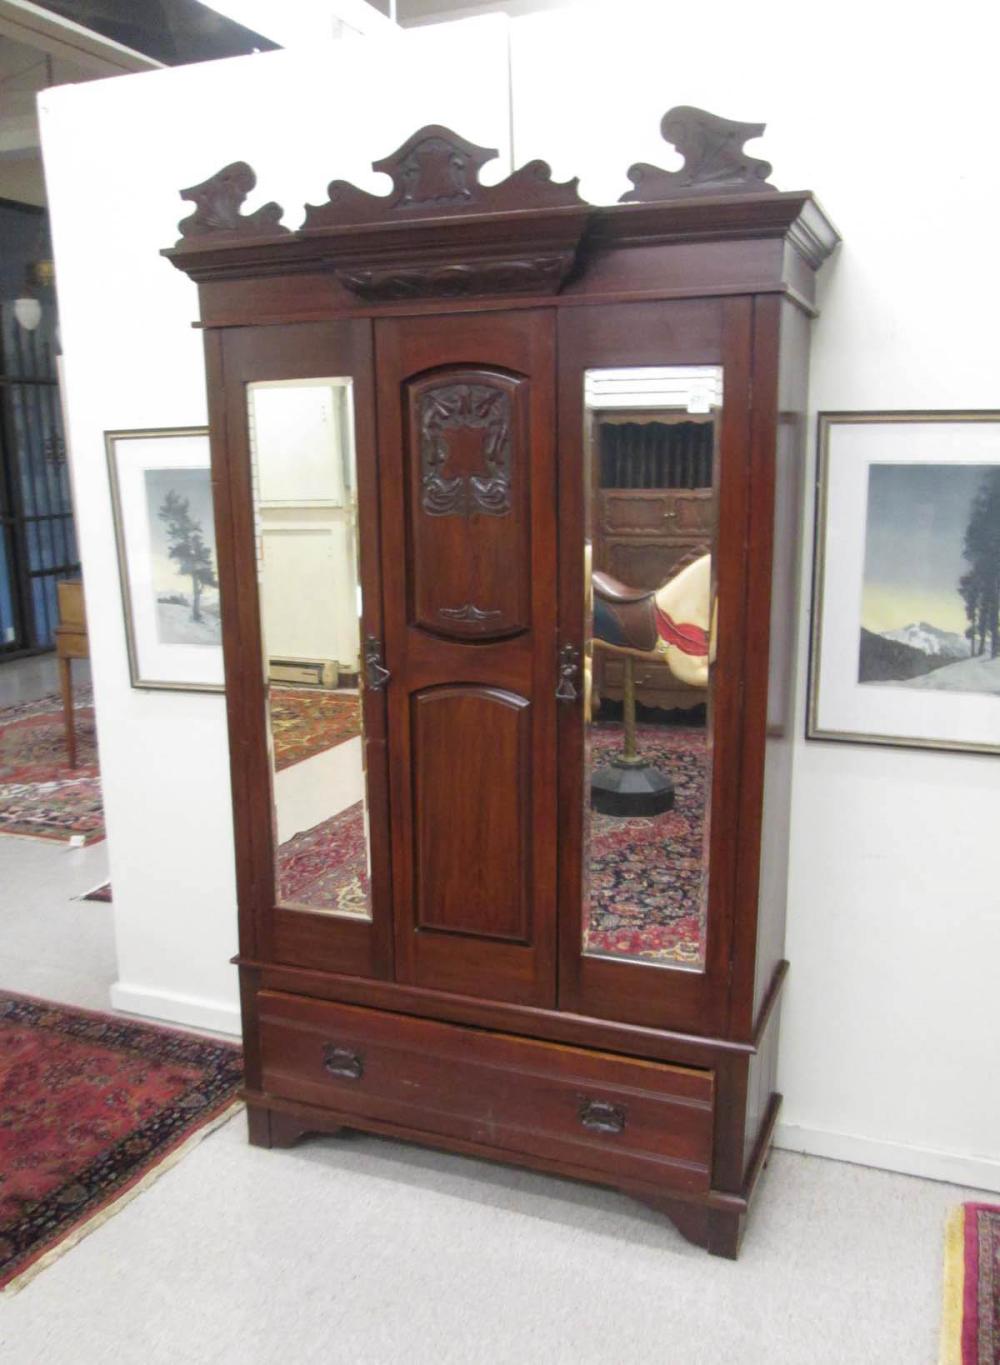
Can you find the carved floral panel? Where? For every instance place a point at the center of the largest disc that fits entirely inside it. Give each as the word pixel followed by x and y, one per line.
pixel 468 519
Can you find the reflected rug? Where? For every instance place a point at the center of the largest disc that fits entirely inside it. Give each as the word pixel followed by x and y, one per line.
pixel 94 1108
pixel 970 1324
pixel 326 867
pixel 306 720
pixel 40 794
pixel 646 874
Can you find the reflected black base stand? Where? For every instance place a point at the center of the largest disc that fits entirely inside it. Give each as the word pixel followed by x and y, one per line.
pixel 628 785
pixel 624 788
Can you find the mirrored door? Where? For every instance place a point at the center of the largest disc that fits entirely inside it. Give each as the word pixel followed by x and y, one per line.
pixel 651 460
pixel 654 432
pixel 306 519
pixel 295 462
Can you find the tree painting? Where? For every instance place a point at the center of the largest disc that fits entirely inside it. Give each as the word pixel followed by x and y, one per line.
pixel 979 586
pixel 187 547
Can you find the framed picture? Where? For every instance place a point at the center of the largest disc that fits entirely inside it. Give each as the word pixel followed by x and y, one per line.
pixel 906 580
pixel 161 497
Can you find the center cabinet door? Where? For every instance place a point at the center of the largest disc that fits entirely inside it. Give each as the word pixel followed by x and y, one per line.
pixel 467 454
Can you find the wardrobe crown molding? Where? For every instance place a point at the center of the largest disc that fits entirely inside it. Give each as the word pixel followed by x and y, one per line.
pixel 440 232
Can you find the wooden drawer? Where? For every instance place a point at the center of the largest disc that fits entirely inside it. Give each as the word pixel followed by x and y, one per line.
pixel 591 1112
pixel 671 512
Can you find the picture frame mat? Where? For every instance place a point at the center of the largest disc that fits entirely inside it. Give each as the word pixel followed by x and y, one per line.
pixel 131 454
pixel 839 706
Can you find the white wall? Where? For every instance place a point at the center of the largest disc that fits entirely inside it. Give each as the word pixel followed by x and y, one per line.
pixel 889 1034
pixel 116 153
pixel 889 1050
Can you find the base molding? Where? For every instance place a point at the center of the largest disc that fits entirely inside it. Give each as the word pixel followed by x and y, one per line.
pixel 956 1168
pixel 213 1016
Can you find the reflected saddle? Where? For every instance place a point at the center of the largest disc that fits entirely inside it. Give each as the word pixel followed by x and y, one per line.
pixel 630 618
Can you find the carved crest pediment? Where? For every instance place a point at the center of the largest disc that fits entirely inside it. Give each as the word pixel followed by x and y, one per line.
pixel 441 233
pixel 436 172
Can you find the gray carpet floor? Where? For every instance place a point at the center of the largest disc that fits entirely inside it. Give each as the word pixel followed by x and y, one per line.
pixel 369 1252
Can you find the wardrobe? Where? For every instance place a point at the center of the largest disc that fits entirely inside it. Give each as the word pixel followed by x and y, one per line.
pixel 441 938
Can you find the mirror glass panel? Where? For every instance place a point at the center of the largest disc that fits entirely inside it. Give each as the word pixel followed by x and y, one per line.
pixel 651 460
pixel 305 505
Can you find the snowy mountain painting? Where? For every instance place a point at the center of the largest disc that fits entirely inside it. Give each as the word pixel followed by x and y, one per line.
pixel 182 539
pixel 931 591
pixel 930 640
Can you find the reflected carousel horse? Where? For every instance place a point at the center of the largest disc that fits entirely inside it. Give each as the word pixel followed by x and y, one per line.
pixel 671 624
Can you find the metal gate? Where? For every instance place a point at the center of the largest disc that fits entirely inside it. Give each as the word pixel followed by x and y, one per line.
pixel 37 536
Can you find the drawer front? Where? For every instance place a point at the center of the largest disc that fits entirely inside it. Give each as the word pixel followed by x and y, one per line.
pixel 617 1117
pixel 670 512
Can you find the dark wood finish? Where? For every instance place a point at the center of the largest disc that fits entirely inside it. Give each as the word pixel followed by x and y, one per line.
pixel 218 208
pixel 636 1119
pixel 71 643
pixel 468 509
pixel 714 159
pixel 436 172
pixel 494 785
pixel 482 734
pixel 466 316
pixel 236 359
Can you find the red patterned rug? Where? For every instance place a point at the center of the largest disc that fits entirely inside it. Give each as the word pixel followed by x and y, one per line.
pixel 970 1330
pixel 326 867
pixel 647 874
pixel 92 1105
pixel 305 721
pixel 40 794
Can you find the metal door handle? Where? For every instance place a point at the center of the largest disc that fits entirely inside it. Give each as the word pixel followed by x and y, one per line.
pixel 569 673
pixel 376 676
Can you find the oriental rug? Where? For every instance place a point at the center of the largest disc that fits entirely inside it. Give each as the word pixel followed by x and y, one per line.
pixel 326 867
pixel 647 893
pixel 93 1108
pixel 306 721
pixel 970 1326
pixel 40 794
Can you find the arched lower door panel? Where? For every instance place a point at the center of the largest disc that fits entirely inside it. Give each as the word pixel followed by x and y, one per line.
pixel 468 497
pixel 472 854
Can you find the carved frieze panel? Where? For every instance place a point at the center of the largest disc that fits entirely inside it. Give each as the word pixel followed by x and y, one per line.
pixel 460 279
pixel 468 515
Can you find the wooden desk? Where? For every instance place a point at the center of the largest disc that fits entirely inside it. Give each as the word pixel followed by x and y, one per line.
pixel 71 643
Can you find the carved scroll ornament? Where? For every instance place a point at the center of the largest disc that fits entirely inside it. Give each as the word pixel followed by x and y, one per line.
pixel 450 407
pixel 714 159
pixel 218 201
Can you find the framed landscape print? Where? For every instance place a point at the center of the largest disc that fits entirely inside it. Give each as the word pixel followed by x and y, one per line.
pixel 161 497
pixel 906 580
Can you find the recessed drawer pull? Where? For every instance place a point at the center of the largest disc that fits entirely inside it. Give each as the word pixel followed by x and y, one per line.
pixel 601 1117
pixel 342 1062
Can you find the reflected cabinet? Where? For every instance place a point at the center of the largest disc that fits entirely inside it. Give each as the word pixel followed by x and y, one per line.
pixel 508 496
